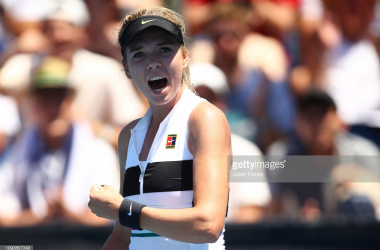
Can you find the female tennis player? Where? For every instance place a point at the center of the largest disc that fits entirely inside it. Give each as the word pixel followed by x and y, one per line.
pixel 174 167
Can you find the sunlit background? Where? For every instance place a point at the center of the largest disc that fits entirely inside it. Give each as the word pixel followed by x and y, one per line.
pixel 293 77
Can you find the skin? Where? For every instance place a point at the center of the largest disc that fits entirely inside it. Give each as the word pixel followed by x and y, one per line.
pixel 318 132
pixel 354 17
pixel 160 54
pixel 228 36
pixel 64 38
pixel 3 142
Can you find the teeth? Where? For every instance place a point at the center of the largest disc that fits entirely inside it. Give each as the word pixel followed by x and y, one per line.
pixel 156 78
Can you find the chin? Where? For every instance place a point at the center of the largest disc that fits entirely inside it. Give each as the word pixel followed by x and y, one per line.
pixel 161 100
pixel 167 95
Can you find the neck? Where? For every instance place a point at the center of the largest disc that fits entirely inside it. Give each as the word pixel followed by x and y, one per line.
pixel 159 112
pixel 54 143
pixel 54 136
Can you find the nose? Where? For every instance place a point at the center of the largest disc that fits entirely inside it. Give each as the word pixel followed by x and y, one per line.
pixel 154 63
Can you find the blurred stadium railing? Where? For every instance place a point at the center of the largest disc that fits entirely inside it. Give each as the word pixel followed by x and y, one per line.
pixel 276 236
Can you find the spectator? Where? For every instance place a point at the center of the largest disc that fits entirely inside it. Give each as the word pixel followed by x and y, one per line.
pixel 105 22
pixel 9 126
pixel 247 201
pixel 353 192
pixel 319 131
pixel 278 16
pixel 255 67
pixel 21 24
pixel 197 12
pixel 340 58
pixel 352 69
pixel 316 34
pixel 56 161
pixel 6 35
pixel 104 96
pixel 10 121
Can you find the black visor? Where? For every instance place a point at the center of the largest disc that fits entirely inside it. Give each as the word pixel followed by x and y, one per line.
pixel 145 22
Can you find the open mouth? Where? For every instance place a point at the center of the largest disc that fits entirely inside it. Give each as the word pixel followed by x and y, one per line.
pixel 158 83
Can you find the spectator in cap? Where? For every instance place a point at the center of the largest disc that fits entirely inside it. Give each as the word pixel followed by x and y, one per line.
pixel 210 83
pixel 56 160
pixel 105 97
pixel 319 131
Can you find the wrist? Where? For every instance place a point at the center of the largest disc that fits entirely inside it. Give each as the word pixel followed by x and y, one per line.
pixel 129 214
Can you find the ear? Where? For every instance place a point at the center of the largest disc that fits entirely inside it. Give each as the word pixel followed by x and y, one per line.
pixel 126 69
pixel 186 58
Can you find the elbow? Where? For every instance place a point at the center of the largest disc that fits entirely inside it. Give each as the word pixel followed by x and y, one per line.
pixel 210 231
pixel 213 236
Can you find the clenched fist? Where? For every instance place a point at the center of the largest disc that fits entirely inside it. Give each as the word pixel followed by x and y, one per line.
pixel 105 201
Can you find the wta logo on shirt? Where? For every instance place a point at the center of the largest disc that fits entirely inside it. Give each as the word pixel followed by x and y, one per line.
pixel 170 141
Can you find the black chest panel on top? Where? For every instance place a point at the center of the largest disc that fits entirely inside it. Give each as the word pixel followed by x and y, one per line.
pixel 160 177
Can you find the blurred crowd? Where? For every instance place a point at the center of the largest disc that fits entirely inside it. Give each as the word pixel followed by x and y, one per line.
pixel 293 77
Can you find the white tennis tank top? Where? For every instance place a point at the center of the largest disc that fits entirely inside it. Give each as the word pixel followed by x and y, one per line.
pixel 166 181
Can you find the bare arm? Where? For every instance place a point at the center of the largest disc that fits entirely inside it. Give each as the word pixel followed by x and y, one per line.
pixel 120 236
pixel 210 142
pixel 119 239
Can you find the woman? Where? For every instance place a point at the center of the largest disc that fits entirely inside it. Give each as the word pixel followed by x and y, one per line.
pixel 175 157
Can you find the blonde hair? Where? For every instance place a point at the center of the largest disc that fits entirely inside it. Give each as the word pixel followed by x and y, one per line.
pixel 168 14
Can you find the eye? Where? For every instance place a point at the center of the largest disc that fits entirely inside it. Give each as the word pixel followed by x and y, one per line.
pixel 165 49
pixel 138 54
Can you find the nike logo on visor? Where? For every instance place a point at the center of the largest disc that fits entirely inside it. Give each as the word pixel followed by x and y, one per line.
pixel 144 22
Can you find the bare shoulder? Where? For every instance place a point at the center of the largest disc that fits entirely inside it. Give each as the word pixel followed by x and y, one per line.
pixel 209 123
pixel 206 114
pixel 125 134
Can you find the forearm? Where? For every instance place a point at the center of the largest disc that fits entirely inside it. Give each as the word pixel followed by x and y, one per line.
pixel 192 225
pixel 115 242
pixel 119 239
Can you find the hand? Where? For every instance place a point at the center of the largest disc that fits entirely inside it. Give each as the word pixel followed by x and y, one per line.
pixel 105 201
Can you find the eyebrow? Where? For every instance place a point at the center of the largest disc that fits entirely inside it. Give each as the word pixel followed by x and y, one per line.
pixel 134 49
